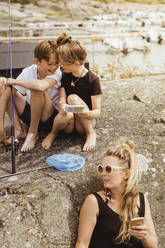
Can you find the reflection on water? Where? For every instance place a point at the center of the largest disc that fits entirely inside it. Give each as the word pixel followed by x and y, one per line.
pixel 154 58
pixel 145 63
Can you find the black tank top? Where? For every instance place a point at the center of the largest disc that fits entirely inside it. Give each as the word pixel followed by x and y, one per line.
pixel 108 225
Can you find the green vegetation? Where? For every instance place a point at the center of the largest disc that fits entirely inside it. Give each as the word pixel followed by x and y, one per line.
pixel 135 1
pixel 148 1
pixel 51 12
pixel 35 2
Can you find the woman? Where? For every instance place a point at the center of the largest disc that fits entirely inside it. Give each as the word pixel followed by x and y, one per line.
pixel 105 217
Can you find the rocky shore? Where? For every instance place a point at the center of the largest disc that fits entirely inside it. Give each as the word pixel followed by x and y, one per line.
pixel 41 209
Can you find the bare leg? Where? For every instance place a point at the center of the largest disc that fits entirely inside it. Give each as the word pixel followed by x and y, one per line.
pixel 5 103
pixel 84 125
pixel 41 109
pixel 18 107
pixel 61 122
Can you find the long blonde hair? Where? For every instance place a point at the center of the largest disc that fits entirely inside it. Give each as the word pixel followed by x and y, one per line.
pixel 70 50
pixel 124 150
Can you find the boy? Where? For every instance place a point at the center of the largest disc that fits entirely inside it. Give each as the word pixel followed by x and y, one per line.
pixel 35 96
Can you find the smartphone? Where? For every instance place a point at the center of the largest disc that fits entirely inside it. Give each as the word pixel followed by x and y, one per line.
pixel 74 108
pixel 137 221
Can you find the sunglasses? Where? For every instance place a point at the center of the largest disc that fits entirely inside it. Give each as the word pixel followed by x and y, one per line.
pixel 108 168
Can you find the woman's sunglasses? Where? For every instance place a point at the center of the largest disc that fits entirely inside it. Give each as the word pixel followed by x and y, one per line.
pixel 108 168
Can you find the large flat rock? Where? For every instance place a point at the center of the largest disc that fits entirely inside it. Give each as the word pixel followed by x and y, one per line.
pixel 40 209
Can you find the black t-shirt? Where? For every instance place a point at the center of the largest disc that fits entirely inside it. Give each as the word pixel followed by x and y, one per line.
pixel 84 87
pixel 108 225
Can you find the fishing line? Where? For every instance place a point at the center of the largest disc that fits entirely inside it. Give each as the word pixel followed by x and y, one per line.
pixel 13 151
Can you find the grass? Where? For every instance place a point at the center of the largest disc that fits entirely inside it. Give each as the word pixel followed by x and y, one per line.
pixel 117 70
pixel 135 1
pixel 35 2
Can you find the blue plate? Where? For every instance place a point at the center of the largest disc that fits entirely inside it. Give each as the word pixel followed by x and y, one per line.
pixel 66 162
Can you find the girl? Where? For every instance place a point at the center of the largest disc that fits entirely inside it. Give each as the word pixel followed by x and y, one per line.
pixel 79 86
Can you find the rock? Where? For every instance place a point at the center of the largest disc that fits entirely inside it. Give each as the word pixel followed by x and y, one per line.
pixel 41 209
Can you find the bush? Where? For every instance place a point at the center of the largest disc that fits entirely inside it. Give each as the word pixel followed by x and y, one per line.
pixel 35 2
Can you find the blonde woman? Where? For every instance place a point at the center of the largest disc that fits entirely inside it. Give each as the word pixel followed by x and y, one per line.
pixel 105 216
pixel 79 86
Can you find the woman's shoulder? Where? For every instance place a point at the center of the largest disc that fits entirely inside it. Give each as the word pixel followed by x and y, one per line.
pixel 94 195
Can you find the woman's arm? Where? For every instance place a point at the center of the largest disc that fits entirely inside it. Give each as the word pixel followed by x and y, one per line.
pixel 39 85
pixel 87 221
pixel 96 109
pixel 151 240
pixel 146 233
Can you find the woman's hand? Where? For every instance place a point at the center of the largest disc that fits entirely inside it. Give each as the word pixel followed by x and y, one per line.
pixel 139 232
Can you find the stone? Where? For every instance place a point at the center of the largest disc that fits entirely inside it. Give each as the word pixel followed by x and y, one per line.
pixel 41 209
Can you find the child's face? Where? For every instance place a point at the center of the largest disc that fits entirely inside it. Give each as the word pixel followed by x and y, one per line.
pixel 48 67
pixel 69 68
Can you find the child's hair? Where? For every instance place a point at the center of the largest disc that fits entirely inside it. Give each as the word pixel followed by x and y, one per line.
pixel 70 50
pixel 124 150
pixel 44 50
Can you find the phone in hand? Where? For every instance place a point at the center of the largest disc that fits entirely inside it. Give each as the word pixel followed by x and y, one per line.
pixel 74 108
pixel 139 221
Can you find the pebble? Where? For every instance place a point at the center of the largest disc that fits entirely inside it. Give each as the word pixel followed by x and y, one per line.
pixel 13 179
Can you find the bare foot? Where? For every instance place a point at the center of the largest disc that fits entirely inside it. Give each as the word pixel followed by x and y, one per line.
pixel 30 142
pixel 19 134
pixel 47 142
pixel 90 142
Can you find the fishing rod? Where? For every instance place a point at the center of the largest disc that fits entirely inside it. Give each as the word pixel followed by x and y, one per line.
pixel 25 172
pixel 14 143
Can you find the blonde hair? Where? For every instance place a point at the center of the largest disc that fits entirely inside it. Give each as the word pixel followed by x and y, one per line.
pixel 44 50
pixel 70 50
pixel 124 150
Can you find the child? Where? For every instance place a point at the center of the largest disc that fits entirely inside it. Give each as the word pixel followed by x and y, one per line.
pixel 79 86
pixel 40 84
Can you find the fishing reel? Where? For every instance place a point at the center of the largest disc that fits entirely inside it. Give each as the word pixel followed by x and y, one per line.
pixel 16 146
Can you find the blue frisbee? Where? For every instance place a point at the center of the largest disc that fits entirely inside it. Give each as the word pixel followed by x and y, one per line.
pixel 66 162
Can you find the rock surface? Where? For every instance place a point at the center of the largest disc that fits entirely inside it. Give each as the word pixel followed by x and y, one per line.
pixel 41 209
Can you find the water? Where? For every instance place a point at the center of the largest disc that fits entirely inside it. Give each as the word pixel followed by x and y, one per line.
pixel 139 62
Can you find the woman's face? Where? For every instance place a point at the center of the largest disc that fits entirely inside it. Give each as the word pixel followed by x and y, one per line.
pixel 114 173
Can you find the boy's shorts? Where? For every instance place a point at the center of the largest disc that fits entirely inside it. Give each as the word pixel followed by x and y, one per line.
pixel 45 127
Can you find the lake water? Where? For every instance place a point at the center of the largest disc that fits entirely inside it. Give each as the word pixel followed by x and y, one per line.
pixel 143 63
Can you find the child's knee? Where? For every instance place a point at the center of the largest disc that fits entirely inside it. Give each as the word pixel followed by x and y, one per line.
pixel 68 117
pixel 5 92
pixel 72 99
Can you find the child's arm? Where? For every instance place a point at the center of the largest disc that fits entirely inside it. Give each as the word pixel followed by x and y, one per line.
pixel 96 109
pixel 62 100
pixel 39 85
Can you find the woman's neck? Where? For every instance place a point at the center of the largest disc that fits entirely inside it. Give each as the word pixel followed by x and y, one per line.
pixel 116 195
